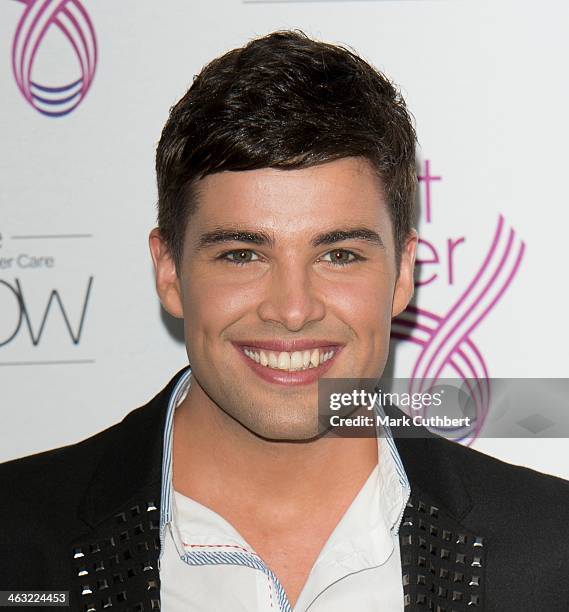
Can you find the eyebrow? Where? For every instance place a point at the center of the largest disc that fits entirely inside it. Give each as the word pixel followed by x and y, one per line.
pixel 261 238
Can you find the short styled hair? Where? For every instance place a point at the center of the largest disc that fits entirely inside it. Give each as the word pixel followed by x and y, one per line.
pixel 284 101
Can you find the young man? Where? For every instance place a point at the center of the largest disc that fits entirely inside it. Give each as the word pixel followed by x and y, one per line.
pixel 286 182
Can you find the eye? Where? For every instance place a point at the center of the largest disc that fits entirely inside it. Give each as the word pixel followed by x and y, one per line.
pixel 239 256
pixel 341 257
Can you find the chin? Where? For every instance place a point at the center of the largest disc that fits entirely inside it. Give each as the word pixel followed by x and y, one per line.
pixel 285 432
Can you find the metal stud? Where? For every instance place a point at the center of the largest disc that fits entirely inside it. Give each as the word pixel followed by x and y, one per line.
pixel 124 536
pixel 142 546
pixel 474 581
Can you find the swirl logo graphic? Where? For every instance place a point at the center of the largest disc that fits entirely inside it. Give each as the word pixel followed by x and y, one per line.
pixel 72 20
pixel 444 339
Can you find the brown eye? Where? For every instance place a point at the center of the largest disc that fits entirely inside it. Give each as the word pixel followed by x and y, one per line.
pixel 241 256
pixel 340 257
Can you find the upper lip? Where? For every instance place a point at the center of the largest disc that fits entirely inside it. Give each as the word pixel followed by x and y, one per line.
pixel 289 346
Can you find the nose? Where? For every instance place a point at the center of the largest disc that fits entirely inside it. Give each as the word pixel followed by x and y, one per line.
pixel 291 297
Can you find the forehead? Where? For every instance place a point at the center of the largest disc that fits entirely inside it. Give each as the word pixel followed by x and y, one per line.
pixel 341 192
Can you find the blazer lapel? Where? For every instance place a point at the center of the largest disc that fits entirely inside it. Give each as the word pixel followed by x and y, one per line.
pixel 442 561
pixel 115 566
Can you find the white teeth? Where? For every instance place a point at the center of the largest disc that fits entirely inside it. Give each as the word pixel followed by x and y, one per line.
pixel 315 357
pixel 292 362
pixel 252 355
pixel 296 360
pixel 273 361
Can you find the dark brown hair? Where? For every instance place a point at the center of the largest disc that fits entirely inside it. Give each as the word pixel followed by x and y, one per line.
pixel 284 101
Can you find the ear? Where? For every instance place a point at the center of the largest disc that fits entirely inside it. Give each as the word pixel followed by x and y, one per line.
pixel 167 281
pixel 405 284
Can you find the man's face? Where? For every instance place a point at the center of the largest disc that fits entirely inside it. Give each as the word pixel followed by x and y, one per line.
pixel 287 276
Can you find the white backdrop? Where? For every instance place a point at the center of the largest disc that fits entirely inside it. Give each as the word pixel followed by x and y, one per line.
pixel 485 81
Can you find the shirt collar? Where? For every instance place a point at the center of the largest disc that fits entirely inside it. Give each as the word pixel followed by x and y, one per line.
pixel 394 511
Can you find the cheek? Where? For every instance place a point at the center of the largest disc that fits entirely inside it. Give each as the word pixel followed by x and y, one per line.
pixel 365 305
pixel 211 305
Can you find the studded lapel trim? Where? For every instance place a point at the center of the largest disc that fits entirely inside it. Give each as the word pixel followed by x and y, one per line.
pixel 442 562
pixel 117 567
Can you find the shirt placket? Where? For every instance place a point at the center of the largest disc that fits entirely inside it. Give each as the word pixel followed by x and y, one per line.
pixel 229 554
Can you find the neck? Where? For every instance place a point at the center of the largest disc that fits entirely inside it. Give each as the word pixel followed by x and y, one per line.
pixel 224 466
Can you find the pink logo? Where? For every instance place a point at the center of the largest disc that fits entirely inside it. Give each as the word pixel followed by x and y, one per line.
pixel 72 20
pixel 444 339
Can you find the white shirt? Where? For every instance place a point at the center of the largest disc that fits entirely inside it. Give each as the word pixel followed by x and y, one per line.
pixel 205 564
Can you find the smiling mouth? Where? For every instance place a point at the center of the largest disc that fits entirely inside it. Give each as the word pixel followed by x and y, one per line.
pixel 295 361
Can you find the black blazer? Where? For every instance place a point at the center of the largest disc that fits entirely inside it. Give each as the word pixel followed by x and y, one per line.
pixel 477 534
